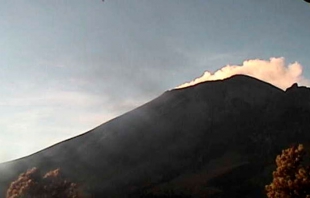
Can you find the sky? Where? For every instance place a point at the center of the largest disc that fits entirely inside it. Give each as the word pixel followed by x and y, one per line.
pixel 69 66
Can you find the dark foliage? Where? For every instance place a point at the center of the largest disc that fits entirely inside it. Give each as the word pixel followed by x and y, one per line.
pixel 31 184
pixel 292 177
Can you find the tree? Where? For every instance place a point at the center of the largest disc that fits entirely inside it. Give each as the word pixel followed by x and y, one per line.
pixel 31 184
pixel 292 176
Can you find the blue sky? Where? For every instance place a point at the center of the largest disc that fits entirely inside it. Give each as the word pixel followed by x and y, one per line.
pixel 68 66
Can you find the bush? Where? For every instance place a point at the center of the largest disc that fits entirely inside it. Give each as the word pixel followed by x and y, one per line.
pixel 31 184
pixel 292 176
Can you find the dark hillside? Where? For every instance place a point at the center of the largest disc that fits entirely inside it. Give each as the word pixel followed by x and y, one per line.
pixel 215 139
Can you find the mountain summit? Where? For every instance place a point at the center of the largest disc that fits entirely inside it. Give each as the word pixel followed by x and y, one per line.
pixel 213 139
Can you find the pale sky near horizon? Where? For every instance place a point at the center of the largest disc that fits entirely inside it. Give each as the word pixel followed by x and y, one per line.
pixel 69 66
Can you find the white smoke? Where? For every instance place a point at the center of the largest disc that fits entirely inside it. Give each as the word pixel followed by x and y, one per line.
pixel 274 71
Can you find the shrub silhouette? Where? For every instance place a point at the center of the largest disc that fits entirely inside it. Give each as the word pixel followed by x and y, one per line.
pixel 31 184
pixel 292 176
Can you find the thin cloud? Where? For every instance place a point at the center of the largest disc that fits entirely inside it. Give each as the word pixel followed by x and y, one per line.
pixel 47 117
pixel 274 71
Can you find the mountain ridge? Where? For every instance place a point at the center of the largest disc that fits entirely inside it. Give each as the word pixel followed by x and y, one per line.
pixel 181 132
pixel 239 76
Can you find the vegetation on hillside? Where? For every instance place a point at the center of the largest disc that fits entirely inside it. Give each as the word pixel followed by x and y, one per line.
pixel 53 184
pixel 292 176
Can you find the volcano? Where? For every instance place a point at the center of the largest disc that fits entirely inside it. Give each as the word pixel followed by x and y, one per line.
pixel 214 139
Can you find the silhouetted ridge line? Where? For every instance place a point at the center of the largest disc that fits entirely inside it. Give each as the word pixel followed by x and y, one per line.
pixel 215 139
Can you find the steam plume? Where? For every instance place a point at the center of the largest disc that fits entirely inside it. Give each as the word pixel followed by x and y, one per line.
pixel 274 71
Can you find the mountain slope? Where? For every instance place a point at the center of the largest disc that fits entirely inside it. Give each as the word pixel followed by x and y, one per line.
pixel 194 142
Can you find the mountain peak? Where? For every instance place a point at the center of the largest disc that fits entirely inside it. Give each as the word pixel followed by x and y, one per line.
pixel 204 135
pixel 238 80
pixel 243 87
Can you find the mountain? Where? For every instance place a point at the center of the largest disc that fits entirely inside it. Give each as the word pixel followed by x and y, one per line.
pixel 214 139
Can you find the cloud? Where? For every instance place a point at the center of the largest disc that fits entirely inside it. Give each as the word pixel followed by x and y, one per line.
pixel 33 120
pixel 274 71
